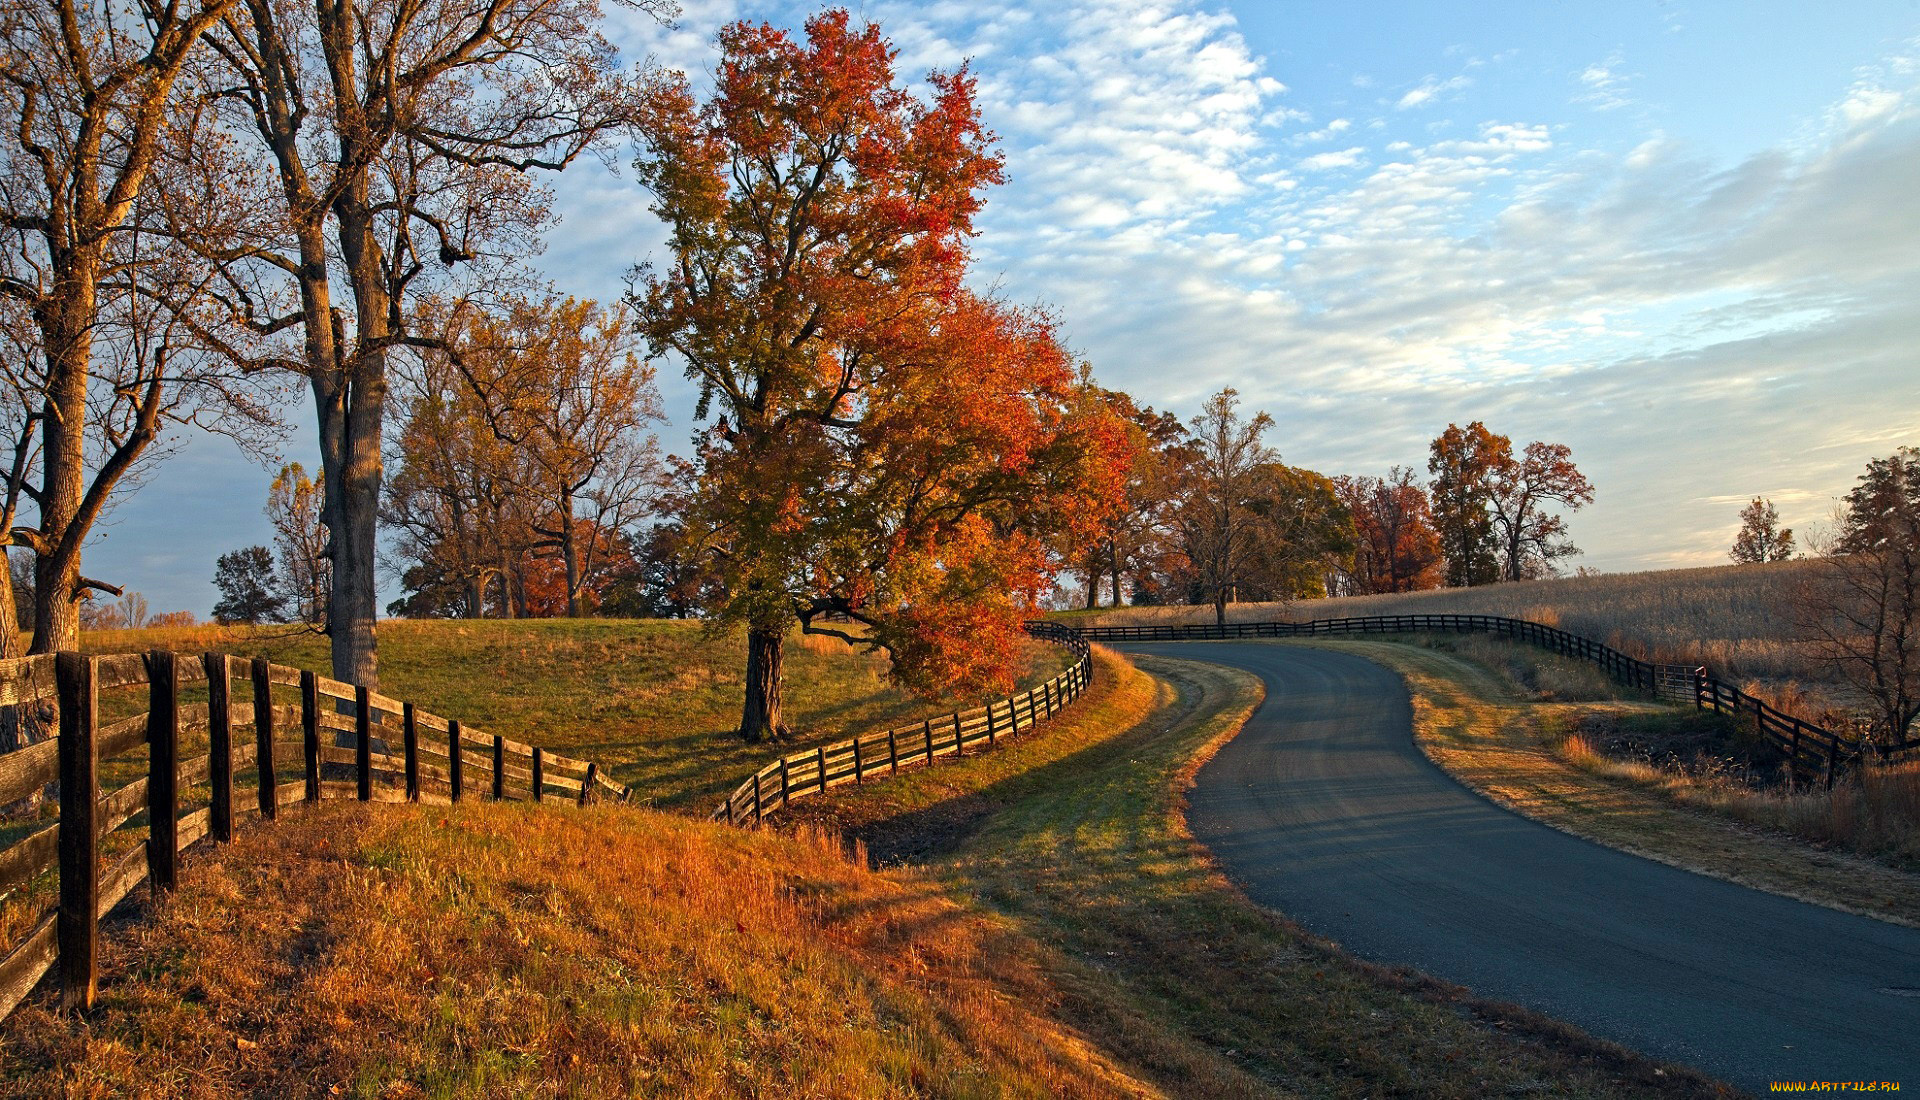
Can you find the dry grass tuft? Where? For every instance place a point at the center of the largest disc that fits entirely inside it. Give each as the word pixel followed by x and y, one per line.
pixel 507 951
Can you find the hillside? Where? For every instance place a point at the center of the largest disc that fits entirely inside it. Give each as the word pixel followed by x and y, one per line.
pixel 1737 618
pixel 503 950
pixel 653 701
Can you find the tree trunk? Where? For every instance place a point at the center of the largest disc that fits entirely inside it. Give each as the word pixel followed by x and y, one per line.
pixel 570 555
pixel 1220 605
pixel 760 718
pixel 353 481
pixel 1113 564
pixel 476 595
pixel 1093 587
pixel 67 331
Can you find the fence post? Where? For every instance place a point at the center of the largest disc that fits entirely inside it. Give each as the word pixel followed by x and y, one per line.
pixel 756 798
pixel 499 768
pixel 1833 759
pixel 269 793
pixel 362 743
pixel 163 770
pixel 927 729
pixel 593 773
pixel 310 732
pixel 410 746
pixel 539 774
pixel 990 721
pixel 77 926
pixel 956 729
pixel 1049 689
pixel 1013 713
pixel 454 779
pixel 821 758
pixel 893 752
pixel 220 744
pixel 857 777
pixel 784 785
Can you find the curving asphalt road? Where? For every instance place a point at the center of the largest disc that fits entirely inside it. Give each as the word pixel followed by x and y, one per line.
pixel 1323 808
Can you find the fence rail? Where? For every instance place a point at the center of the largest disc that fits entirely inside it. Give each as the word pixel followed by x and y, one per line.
pixel 1812 750
pixel 814 771
pixel 303 738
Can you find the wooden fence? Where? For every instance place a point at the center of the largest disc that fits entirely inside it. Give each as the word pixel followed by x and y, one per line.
pixel 300 737
pixel 1813 751
pixel 815 770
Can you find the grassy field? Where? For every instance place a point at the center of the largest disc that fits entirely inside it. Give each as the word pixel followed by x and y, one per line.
pixel 1506 720
pixel 1737 619
pixel 1078 838
pixel 653 701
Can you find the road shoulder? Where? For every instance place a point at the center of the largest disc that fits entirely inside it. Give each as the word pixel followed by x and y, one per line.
pixel 1473 726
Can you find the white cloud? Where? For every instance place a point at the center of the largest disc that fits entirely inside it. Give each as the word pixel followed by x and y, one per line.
pixel 1429 90
pixel 1604 85
pixel 1321 162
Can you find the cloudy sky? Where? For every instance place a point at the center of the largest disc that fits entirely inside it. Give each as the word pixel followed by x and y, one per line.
pixel 1679 237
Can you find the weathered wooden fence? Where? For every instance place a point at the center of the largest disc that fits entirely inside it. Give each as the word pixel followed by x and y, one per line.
pixel 299 737
pixel 1814 751
pixel 814 770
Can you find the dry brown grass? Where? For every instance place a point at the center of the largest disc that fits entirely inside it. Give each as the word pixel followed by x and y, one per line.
pixel 509 951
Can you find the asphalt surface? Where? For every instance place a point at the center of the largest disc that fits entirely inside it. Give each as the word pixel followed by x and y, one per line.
pixel 1323 809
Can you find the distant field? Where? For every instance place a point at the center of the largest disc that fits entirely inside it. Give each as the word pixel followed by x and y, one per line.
pixel 1736 618
pixel 654 701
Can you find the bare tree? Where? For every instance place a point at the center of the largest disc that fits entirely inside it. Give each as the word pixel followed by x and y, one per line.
pixel 1219 519
pixel 87 92
pixel 1862 607
pixel 395 156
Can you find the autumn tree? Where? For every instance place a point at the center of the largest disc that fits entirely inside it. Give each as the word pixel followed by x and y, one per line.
pixel 879 444
pixel 1761 537
pixel 460 523
pixel 1464 463
pixel 1220 521
pixel 1397 549
pixel 395 144
pixel 1306 533
pixel 1530 536
pixel 558 383
pixel 1134 540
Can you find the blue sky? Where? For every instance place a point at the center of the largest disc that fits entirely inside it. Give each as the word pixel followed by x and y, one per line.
pixel 1679 237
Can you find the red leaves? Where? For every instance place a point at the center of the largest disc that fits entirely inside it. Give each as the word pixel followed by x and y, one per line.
pixel 899 449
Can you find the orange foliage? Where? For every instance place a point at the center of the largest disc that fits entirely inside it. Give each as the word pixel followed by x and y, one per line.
pixel 888 446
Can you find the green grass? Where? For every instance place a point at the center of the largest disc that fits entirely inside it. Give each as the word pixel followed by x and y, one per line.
pixel 652 701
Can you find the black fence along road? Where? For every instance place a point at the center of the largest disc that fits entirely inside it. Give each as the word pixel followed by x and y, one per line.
pixel 1323 808
pixel 1815 752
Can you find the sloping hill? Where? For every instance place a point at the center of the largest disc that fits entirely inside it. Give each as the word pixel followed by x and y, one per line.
pixel 506 950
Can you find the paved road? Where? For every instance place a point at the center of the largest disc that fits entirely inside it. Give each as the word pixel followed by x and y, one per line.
pixel 1323 809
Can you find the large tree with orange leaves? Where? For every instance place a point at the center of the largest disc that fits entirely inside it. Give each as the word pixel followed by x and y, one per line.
pixel 885 456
